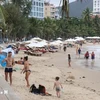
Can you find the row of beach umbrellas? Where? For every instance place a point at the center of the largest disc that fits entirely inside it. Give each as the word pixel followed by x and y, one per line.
pixel 38 42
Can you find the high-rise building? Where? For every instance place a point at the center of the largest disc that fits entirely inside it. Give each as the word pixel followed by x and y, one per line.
pixel 49 10
pixel 96 6
pixel 37 9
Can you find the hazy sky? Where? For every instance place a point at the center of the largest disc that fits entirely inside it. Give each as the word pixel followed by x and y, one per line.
pixel 57 2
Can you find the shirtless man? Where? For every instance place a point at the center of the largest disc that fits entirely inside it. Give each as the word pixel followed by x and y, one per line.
pixel 57 86
pixel 26 70
pixel 9 68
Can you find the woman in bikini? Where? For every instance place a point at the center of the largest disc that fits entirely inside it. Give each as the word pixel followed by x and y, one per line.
pixel 26 70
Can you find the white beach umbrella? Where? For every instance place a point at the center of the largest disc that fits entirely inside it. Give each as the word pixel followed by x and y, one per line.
pixel 70 40
pixel 44 43
pixel 79 39
pixel 59 38
pixel 39 44
pixel 36 38
pixel 57 42
pixel 53 43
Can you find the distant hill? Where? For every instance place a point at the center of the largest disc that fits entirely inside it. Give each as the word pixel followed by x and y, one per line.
pixel 76 8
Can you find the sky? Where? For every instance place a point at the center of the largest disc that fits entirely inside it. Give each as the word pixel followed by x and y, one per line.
pixel 57 2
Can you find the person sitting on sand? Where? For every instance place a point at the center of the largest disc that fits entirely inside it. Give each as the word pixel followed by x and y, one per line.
pixel 57 86
pixel 26 70
pixel 21 61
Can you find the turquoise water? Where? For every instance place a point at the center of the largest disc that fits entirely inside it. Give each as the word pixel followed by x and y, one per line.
pixel 89 63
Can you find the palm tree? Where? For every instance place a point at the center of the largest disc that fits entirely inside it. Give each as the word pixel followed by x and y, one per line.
pixel 86 16
pixel 2 19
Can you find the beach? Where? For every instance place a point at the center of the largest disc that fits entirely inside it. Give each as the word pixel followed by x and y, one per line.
pixel 85 85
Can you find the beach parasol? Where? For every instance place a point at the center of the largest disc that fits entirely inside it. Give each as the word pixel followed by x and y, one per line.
pixel 2 57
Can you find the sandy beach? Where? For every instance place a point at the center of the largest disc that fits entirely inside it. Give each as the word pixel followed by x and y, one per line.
pixel 85 86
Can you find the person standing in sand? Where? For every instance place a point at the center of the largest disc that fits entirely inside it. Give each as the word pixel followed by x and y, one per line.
pixel 9 68
pixel 69 60
pixel 64 48
pixel 26 70
pixel 79 52
pixel 57 86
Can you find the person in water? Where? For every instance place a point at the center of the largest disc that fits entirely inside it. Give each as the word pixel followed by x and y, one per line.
pixel 87 55
pixel 9 67
pixel 26 70
pixel 69 60
pixel 92 56
pixel 57 86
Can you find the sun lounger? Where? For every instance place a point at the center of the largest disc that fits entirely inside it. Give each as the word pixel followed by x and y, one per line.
pixel 36 53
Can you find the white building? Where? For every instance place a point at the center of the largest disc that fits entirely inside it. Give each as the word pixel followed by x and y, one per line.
pixel 37 9
pixel 96 6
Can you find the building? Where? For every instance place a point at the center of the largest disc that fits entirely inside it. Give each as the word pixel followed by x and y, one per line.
pixel 37 9
pixel 96 6
pixel 49 10
pixel 96 9
pixel 58 13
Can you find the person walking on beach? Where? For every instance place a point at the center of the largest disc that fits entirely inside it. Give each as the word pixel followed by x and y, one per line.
pixel 64 48
pixel 9 68
pixel 79 52
pixel 57 86
pixel 69 60
pixel 26 70
pixel 76 50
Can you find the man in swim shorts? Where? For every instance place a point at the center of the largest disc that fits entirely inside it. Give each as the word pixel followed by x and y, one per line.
pixel 9 68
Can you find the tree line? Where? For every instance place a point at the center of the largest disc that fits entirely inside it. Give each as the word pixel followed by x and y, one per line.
pixel 16 23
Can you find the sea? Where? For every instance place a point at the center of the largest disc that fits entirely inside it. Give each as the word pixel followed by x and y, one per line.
pixel 89 64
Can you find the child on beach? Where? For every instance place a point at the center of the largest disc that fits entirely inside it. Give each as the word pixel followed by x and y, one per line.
pixel 26 70
pixel 57 86
pixel 69 60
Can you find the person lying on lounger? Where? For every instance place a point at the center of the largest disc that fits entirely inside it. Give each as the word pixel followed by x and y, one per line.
pixel 21 61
